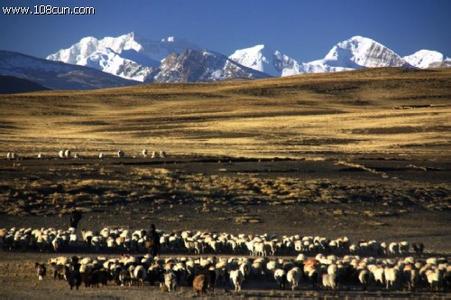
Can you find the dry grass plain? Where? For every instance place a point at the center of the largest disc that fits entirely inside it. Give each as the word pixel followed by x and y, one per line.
pixel 364 154
pixel 383 111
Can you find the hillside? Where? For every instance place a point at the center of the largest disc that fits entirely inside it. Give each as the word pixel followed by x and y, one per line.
pixel 373 111
pixel 10 85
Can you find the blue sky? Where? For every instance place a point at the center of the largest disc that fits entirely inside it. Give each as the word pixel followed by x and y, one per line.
pixel 305 30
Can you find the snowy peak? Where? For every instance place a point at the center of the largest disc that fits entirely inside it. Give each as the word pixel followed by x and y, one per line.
pixel 360 51
pixel 355 53
pixel 263 59
pixel 120 56
pixel 202 65
pixel 424 59
pixel 79 52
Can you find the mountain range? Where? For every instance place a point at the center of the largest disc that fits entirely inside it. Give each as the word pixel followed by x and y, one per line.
pixel 128 59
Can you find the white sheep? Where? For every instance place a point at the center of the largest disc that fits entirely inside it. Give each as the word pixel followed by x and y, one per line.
pixel 329 279
pixel 144 152
pixel 391 276
pixel 120 154
pixel 170 281
pixel 11 155
pixel 294 277
pixel 140 274
pixel 237 279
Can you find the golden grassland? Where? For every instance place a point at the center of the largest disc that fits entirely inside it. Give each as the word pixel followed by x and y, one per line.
pixel 375 111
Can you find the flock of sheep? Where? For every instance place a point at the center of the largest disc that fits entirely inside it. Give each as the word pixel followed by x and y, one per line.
pixel 122 240
pixel 315 262
pixel 66 154
pixel 206 273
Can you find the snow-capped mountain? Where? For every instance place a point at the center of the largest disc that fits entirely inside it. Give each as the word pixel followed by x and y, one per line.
pixel 110 62
pixel 125 56
pixel 425 59
pixel 264 59
pixel 56 75
pixel 158 50
pixel 172 59
pixel 202 65
pixel 355 53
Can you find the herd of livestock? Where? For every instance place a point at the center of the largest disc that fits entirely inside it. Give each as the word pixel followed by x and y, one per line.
pixel 122 240
pixel 207 273
pixel 205 260
pixel 67 154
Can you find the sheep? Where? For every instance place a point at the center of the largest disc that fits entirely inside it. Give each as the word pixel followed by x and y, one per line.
pixel 418 248
pixel 237 279
pixel 329 276
pixel 124 277
pixel 101 155
pixel 61 154
pixel 72 276
pixel 410 274
pixel 364 277
pixel 139 274
pixel 280 277
pixel 311 270
pixel 393 248
pixel 41 270
pixel 144 153
pixel 294 277
pixel 162 154
pixel 154 154
pixel 120 154
pixel 170 281
pixel 391 276
pixel 434 277
pixel 404 247
pixel 200 284
pixel 67 153
pixel 11 156
pixel 40 155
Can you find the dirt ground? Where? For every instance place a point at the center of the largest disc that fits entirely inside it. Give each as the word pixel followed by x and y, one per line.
pixel 381 217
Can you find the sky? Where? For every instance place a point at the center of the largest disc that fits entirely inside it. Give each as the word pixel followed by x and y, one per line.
pixel 304 30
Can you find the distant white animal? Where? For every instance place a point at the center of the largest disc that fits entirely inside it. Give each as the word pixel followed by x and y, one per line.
pixel 144 152
pixel 120 154
pixel 11 155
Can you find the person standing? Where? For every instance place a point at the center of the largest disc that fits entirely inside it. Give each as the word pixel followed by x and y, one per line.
pixel 155 238
pixel 75 218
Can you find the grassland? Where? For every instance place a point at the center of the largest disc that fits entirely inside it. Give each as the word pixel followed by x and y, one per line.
pixel 377 111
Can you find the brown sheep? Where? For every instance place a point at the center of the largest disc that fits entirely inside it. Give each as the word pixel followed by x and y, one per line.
pixel 200 284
